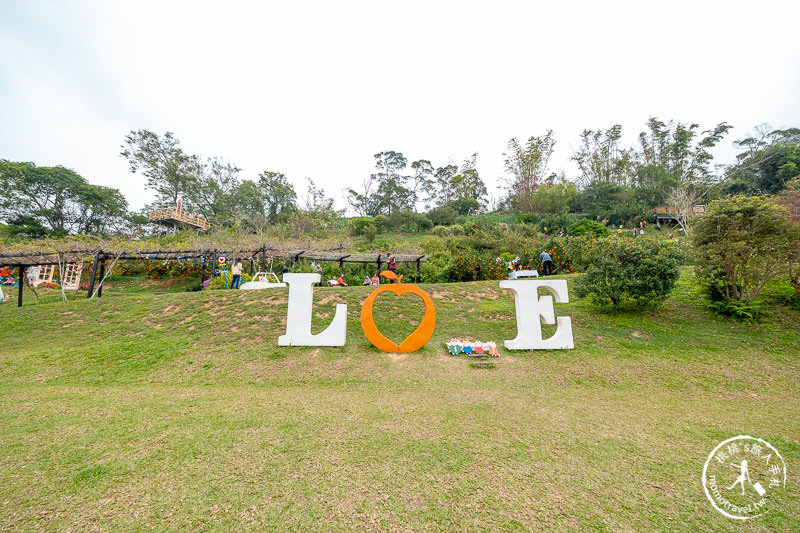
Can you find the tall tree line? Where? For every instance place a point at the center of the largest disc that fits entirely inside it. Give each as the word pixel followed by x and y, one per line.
pixel 668 164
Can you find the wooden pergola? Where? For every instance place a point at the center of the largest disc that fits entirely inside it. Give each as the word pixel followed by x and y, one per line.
pixel 99 258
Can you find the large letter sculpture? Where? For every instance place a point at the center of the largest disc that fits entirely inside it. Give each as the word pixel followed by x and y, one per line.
pixel 418 337
pixel 529 310
pixel 298 318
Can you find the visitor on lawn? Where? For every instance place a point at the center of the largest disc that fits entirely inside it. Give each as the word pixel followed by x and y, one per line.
pixel 547 263
pixel 392 264
pixel 236 270
pixel 367 280
pixel 376 280
pixel 317 270
pixel 340 281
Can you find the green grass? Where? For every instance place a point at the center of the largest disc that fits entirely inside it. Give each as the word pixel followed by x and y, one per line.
pixel 144 411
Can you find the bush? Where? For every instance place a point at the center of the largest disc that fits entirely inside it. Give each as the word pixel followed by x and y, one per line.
pixel 476 266
pixel 744 311
pixel 437 267
pixel 556 223
pixel 171 268
pixel 442 216
pixel 219 282
pixel 358 226
pixel 530 260
pixel 587 227
pixel 642 272
pixel 741 243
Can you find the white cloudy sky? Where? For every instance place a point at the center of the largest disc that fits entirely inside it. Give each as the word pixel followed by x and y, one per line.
pixel 315 88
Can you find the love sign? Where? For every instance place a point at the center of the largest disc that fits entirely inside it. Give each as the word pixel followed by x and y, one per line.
pixel 531 310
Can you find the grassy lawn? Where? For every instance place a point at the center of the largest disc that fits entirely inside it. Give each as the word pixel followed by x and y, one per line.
pixel 176 410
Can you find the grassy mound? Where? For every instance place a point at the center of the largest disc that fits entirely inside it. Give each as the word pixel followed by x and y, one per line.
pixel 145 411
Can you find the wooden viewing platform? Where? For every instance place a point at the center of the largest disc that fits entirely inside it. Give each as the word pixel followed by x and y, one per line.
pixel 176 218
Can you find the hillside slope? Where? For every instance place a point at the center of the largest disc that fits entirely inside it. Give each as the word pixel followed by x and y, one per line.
pixel 173 411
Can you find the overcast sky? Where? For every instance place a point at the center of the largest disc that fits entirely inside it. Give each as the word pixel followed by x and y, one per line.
pixel 316 88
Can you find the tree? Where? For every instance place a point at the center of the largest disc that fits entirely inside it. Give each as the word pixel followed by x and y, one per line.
pixel 277 195
pixel 602 200
pixel 600 158
pixel 461 189
pixel 679 151
pixel 742 242
pixel 467 190
pixel 57 201
pixel 214 196
pixel 682 200
pixel 317 204
pixel 422 177
pixel 439 188
pixel 769 160
pixel 392 193
pixel 169 171
pixel 385 190
pixel 630 271
pixel 790 200
pixel 527 166
pixel 553 198
pixel 366 204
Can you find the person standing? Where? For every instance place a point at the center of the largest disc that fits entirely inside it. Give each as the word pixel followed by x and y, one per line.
pixel 318 270
pixel 392 265
pixel 547 263
pixel 236 270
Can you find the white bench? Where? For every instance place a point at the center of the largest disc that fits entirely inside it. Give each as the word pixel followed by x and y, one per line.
pixel 516 274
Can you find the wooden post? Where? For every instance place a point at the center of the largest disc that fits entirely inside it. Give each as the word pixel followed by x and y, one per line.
pixel 379 263
pixel 263 259
pixel 202 268
pixel 418 260
pixel 102 275
pixel 213 264
pixel 94 274
pixel 20 283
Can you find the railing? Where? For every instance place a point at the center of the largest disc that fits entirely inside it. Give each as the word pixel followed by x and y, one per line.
pixel 173 214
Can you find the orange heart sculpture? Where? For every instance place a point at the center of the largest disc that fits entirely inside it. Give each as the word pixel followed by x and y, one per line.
pixel 418 337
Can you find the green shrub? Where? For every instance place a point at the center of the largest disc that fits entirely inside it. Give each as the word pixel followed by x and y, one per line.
pixel 437 267
pixel 642 272
pixel 741 243
pixel 442 216
pixel 556 223
pixel 744 311
pixel 219 282
pixel 172 268
pixel 587 227
pixel 359 225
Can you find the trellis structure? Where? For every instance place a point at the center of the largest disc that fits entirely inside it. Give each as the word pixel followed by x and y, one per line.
pixel 100 257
